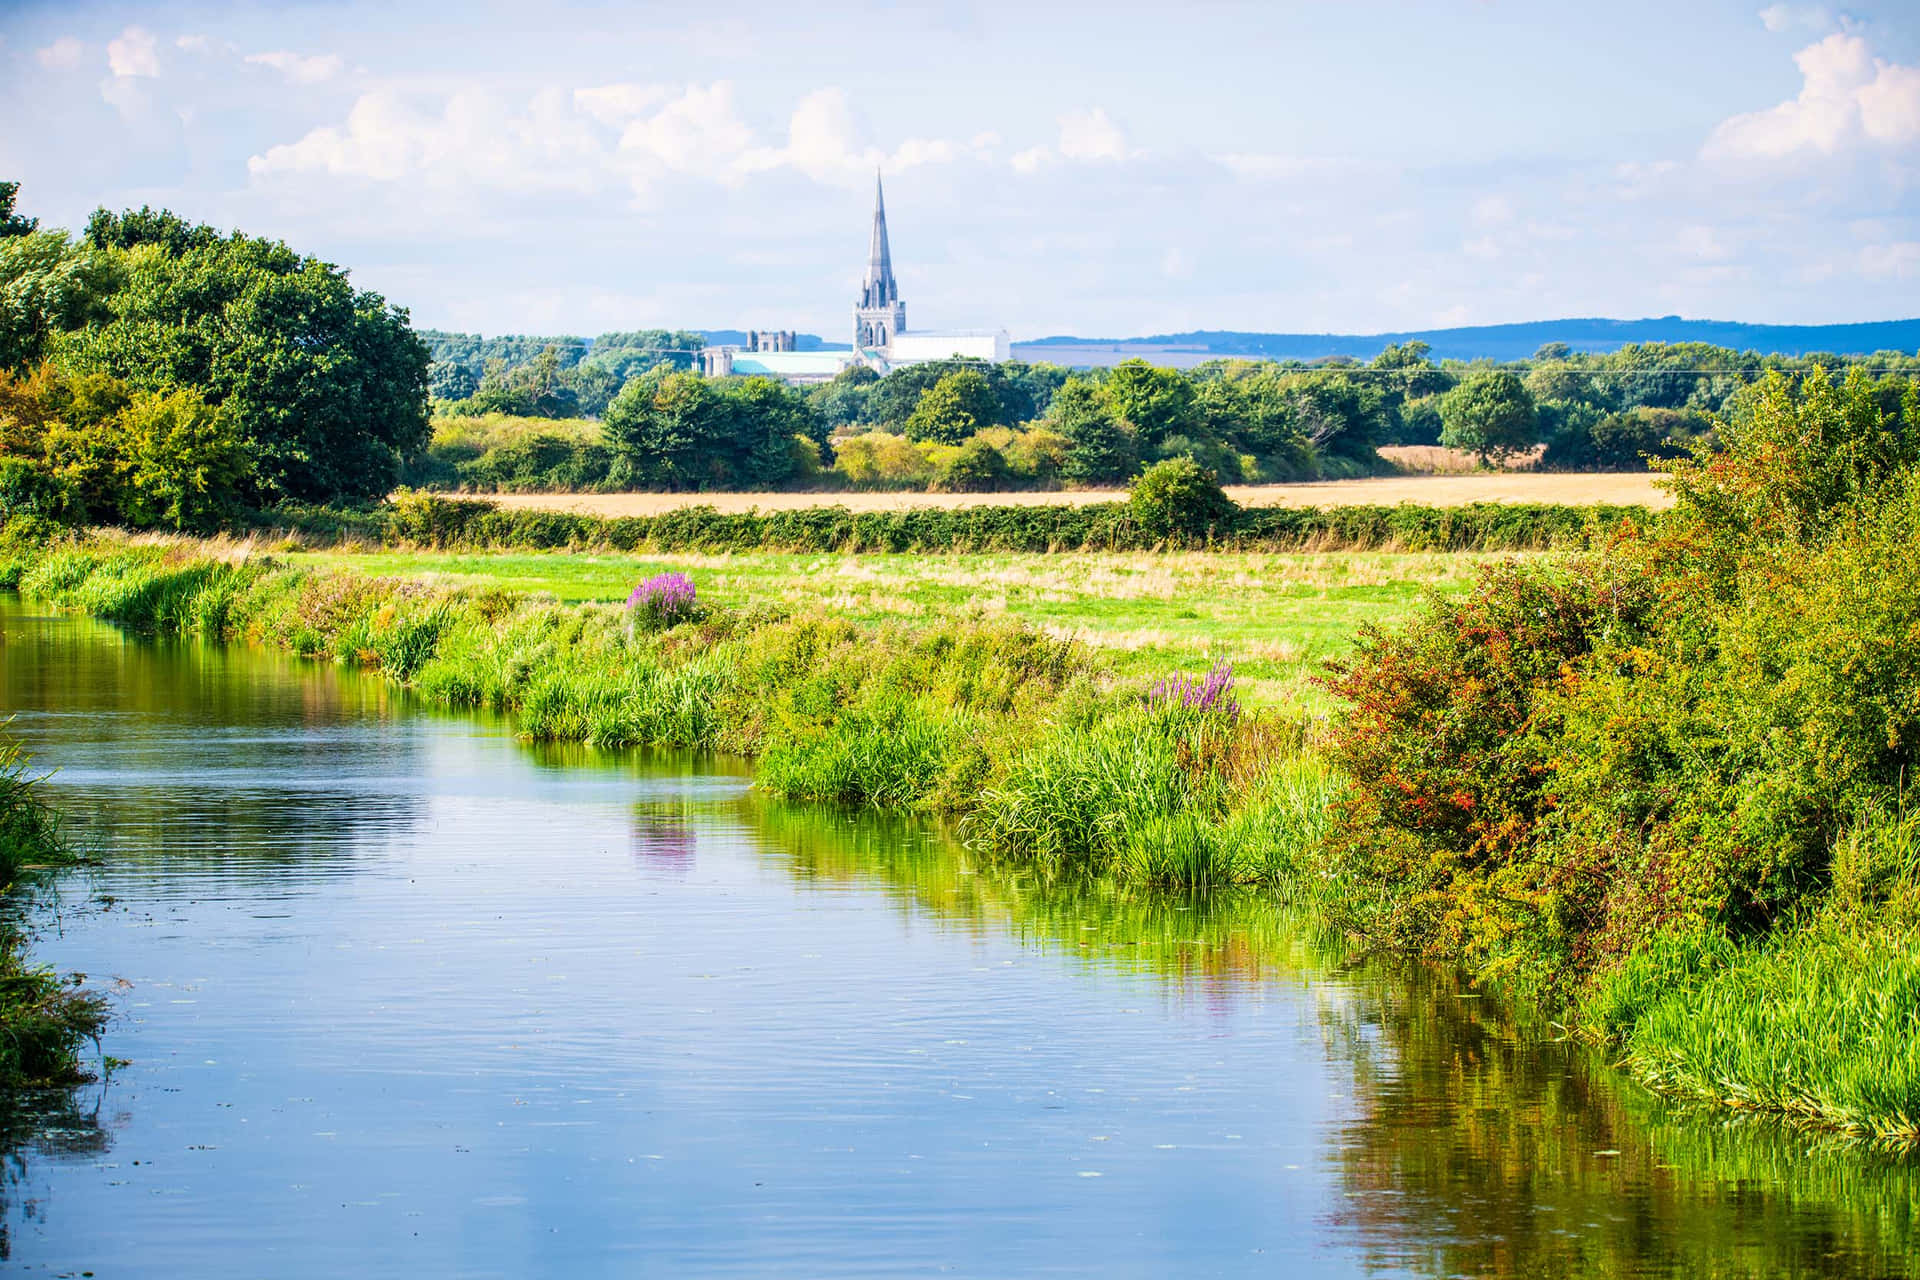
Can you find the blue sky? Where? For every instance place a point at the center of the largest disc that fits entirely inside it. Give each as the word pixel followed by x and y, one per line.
pixel 1102 170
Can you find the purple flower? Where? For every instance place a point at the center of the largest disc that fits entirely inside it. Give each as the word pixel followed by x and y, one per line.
pixel 1214 693
pixel 664 600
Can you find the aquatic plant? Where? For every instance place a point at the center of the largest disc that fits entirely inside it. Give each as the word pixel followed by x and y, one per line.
pixel 664 600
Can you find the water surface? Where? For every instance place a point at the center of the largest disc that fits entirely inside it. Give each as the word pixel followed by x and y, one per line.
pixel 402 995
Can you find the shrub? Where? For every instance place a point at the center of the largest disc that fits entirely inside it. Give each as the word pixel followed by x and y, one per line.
pixel 976 468
pixel 1177 498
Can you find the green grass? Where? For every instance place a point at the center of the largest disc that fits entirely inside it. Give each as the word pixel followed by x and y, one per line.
pixel 1276 617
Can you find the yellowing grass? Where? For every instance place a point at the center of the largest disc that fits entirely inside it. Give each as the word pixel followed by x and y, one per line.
pixel 1427 490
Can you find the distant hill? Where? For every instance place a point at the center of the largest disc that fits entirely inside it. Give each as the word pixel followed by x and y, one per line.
pixel 1494 341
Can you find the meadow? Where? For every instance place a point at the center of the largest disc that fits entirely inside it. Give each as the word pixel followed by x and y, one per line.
pixel 1276 617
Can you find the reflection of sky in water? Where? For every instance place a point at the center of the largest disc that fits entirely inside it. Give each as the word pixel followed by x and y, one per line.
pixel 409 997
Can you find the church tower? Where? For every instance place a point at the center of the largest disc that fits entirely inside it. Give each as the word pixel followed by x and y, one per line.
pixel 879 314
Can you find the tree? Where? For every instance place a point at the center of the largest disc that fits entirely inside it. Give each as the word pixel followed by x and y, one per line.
pixel 11 223
pixel 1104 449
pixel 1490 414
pixel 326 384
pixel 679 430
pixel 48 285
pixel 768 417
pixel 1158 402
pixel 671 431
pixel 183 463
pixel 953 408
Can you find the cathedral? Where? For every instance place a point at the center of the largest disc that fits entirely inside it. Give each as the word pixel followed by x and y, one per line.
pixel 881 339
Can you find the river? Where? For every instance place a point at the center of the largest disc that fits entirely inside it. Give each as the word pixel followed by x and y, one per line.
pixel 398 994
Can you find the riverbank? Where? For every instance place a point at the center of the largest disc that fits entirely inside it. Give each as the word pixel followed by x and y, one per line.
pixel 44 1018
pixel 1041 749
pixel 1031 740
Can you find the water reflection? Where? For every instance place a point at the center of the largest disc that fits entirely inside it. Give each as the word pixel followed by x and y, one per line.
pixel 1484 1143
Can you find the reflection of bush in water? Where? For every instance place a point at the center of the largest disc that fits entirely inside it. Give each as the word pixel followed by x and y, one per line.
pixel 1483 1149
pixel 1476 1150
pixel 1224 935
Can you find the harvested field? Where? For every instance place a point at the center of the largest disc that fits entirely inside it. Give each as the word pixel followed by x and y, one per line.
pixel 1427 490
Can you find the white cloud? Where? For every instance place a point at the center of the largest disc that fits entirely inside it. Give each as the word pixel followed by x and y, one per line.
pixel 308 69
pixel 1491 211
pixel 193 44
pixel 1091 135
pixel 1901 259
pixel 63 54
pixel 699 132
pixel 616 104
pixel 1702 243
pixel 826 142
pixel 1176 265
pixel 1848 98
pixel 1031 159
pixel 473 139
pixel 132 53
pixel 1785 17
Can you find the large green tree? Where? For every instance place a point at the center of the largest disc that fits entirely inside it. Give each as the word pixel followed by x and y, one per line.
pixel 1158 402
pixel 1490 414
pixel 683 431
pixel 1104 449
pixel 953 408
pixel 326 384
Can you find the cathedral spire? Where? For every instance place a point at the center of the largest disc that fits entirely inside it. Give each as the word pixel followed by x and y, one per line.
pixel 879 315
pixel 880 289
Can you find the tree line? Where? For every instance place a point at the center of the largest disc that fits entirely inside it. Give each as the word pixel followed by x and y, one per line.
pixel 963 425
pixel 155 371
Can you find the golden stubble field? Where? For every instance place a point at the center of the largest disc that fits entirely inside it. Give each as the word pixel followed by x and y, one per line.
pixel 1427 490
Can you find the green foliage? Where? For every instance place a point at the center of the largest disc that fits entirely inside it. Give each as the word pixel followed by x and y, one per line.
pixel 1177 497
pixel 1157 403
pixel 326 384
pixel 427 520
pixel 1668 786
pixel 88 448
pixel 682 431
pixel 1490 414
pixel 48 286
pixel 976 467
pixel 954 408
pixel 11 223
pixel 1103 449
pixel 185 463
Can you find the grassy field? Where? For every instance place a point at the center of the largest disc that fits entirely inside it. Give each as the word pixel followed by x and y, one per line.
pixel 1275 617
pixel 1452 490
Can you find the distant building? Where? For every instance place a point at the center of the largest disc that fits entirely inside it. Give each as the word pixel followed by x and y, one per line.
pixel 881 339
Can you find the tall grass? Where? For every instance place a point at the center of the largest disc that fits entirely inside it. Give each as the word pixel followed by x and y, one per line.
pixel 1818 1019
pixel 44 1018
